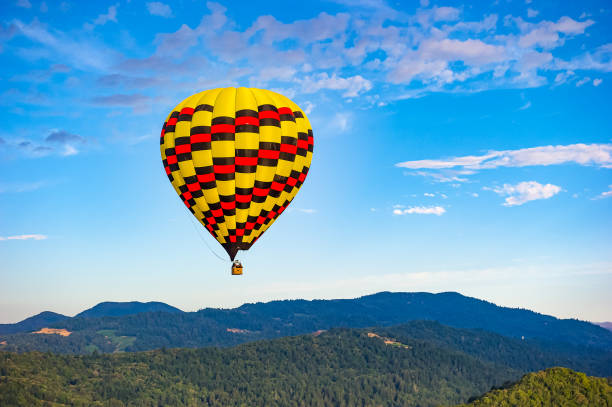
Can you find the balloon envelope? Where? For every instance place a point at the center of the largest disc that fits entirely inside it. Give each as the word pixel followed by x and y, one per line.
pixel 236 157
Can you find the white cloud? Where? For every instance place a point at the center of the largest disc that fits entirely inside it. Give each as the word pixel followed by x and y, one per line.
pixel 562 77
pixel 605 194
pixel 526 191
pixel 111 15
pixel 475 195
pixel 443 176
pixel 445 13
pixel 308 106
pixel 429 194
pixel 583 81
pixel 599 60
pixel 24 3
pixel 431 61
pixel 157 8
pixel 69 150
pixel 308 211
pixel 341 122
pixel 525 106
pixel 532 13
pixel 420 210
pixel 352 86
pixel 597 82
pixel 282 73
pixel 584 154
pixel 546 33
pixel 24 237
pixel 434 49
pixel 66 49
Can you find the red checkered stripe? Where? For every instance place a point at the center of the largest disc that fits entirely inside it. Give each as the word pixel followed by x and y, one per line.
pixel 185 145
pixel 299 152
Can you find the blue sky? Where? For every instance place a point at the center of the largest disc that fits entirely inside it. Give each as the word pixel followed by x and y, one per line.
pixel 458 147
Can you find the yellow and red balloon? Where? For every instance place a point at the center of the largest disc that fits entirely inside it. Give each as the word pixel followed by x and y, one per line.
pixel 236 157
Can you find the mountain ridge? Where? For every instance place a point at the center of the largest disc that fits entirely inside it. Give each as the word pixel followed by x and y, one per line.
pixel 118 309
pixel 32 323
pixel 255 321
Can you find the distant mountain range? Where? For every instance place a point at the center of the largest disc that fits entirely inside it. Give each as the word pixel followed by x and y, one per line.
pixel 145 326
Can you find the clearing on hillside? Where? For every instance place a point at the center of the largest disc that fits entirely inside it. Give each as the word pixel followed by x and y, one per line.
pixel 48 331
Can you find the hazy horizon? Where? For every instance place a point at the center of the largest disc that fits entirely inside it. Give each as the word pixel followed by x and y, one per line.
pixel 73 312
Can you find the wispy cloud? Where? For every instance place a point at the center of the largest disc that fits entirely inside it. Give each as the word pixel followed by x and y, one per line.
pixel 442 175
pixel 110 15
pixel 17 187
pixel 24 237
pixel 60 47
pixel 605 194
pixel 599 155
pixel 63 137
pixel 526 191
pixel 308 211
pixel 120 100
pixel 57 141
pixel 352 86
pixel 420 210
pixel 433 49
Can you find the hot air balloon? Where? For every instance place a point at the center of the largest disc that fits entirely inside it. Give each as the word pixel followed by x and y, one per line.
pixel 236 157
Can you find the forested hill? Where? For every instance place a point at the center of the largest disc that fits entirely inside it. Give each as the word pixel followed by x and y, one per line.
pixel 33 323
pixel 117 309
pixel 341 367
pixel 489 347
pixel 552 387
pixel 103 309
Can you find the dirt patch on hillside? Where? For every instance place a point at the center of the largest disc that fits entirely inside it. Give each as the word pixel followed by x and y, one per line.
pixel 238 331
pixel 56 331
pixel 388 341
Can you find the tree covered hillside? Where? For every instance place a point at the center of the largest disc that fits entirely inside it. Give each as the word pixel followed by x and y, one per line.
pixel 341 367
pixel 552 387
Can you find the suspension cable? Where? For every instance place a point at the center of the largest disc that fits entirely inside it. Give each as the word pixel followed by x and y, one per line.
pixel 199 233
